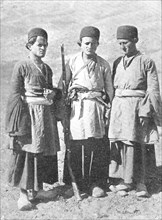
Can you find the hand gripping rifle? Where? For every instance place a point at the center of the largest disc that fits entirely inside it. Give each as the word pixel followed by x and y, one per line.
pixel 66 125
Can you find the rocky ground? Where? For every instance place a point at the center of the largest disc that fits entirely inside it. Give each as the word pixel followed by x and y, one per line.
pixel 63 20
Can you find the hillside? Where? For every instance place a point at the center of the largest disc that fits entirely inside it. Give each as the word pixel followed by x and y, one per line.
pixel 63 21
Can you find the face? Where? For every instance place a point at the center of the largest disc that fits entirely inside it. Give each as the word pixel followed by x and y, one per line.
pixel 89 45
pixel 128 47
pixel 39 47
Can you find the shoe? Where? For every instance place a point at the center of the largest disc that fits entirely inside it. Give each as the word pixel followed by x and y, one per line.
pixel 144 194
pixel 122 193
pixel 97 192
pixel 24 204
pixel 112 188
pixel 124 186
pixel 50 194
pixel 141 190
pixel 121 189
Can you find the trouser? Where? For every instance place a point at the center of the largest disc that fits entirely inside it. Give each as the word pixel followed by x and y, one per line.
pixel 127 162
pixel 89 162
pixel 29 171
pixel 122 158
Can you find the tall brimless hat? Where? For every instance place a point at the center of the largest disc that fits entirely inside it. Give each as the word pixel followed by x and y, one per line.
pixel 35 32
pixel 127 32
pixel 89 31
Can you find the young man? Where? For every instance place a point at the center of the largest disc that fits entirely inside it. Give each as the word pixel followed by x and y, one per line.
pixel 31 123
pixel 134 114
pixel 89 80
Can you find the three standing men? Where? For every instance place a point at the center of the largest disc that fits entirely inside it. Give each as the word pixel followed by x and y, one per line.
pixel 133 122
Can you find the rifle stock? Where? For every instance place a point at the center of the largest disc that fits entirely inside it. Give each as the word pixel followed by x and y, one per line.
pixel 66 125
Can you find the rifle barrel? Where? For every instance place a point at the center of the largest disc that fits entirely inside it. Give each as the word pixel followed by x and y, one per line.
pixel 66 126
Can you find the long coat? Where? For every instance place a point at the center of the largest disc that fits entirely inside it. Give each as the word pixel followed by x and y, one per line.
pixel 140 79
pixel 33 125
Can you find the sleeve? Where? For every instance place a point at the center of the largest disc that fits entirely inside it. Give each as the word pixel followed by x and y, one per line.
pixel 151 104
pixel 16 113
pixel 51 83
pixel 115 64
pixel 50 76
pixel 108 82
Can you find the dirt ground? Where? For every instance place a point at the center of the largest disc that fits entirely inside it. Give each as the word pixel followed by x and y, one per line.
pixel 59 203
pixel 63 21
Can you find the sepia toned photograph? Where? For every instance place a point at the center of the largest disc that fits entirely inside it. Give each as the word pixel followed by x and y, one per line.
pixel 81 110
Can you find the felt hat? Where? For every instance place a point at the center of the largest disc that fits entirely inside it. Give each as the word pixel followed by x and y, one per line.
pixel 127 32
pixel 37 32
pixel 89 31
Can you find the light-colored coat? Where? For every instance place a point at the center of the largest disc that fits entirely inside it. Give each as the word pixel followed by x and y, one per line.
pixel 87 114
pixel 140 76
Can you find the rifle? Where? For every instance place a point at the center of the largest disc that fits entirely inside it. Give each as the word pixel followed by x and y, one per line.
pixel 66 125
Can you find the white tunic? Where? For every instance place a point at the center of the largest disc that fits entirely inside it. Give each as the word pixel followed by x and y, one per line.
pixel 87 114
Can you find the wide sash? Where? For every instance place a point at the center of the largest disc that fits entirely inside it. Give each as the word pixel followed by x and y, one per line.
pixel 129 93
